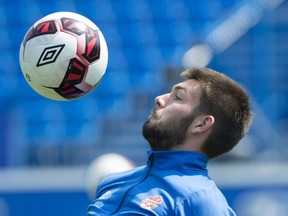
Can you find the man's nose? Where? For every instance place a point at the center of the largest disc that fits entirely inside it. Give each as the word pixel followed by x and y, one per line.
pixel 160 100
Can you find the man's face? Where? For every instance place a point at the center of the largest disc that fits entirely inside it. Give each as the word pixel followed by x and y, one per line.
pixel 169 121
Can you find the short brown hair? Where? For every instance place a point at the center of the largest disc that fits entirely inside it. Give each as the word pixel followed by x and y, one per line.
pixel 228 103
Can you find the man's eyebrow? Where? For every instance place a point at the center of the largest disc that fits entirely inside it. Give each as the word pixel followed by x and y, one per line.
pixel 177 87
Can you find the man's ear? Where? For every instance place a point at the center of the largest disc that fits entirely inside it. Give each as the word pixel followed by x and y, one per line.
pixel 202 123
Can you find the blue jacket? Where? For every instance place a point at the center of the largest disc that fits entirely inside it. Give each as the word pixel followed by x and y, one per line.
pixel 172 183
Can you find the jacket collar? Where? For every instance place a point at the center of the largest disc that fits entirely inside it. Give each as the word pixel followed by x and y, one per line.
pixel 177 160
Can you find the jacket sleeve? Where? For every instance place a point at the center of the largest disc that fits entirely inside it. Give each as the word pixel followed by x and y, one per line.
pixel 204 203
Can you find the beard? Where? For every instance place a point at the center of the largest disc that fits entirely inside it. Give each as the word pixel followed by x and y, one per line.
pixel 163 136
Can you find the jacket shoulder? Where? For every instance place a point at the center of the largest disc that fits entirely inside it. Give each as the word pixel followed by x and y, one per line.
pixel 119 177
pixel 204 202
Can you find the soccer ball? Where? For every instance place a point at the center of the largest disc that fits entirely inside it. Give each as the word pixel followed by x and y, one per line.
pixel 63 56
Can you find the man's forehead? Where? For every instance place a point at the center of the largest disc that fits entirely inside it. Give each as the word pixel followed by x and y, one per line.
pixel 190 86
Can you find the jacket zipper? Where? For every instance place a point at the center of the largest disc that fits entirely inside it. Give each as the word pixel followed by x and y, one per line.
pixel 132 187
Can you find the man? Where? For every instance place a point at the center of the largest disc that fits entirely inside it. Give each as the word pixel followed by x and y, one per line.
pixel 201 118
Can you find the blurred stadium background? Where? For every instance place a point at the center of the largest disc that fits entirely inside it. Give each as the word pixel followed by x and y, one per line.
pixel 46 146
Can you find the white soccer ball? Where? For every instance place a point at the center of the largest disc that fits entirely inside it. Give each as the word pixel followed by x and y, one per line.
pixel 102 166
pixel 63 56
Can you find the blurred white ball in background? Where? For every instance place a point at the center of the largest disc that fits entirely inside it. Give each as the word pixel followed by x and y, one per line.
pixel 103 166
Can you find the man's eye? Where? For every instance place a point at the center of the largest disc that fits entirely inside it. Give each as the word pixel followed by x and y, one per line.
pixel 177 97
